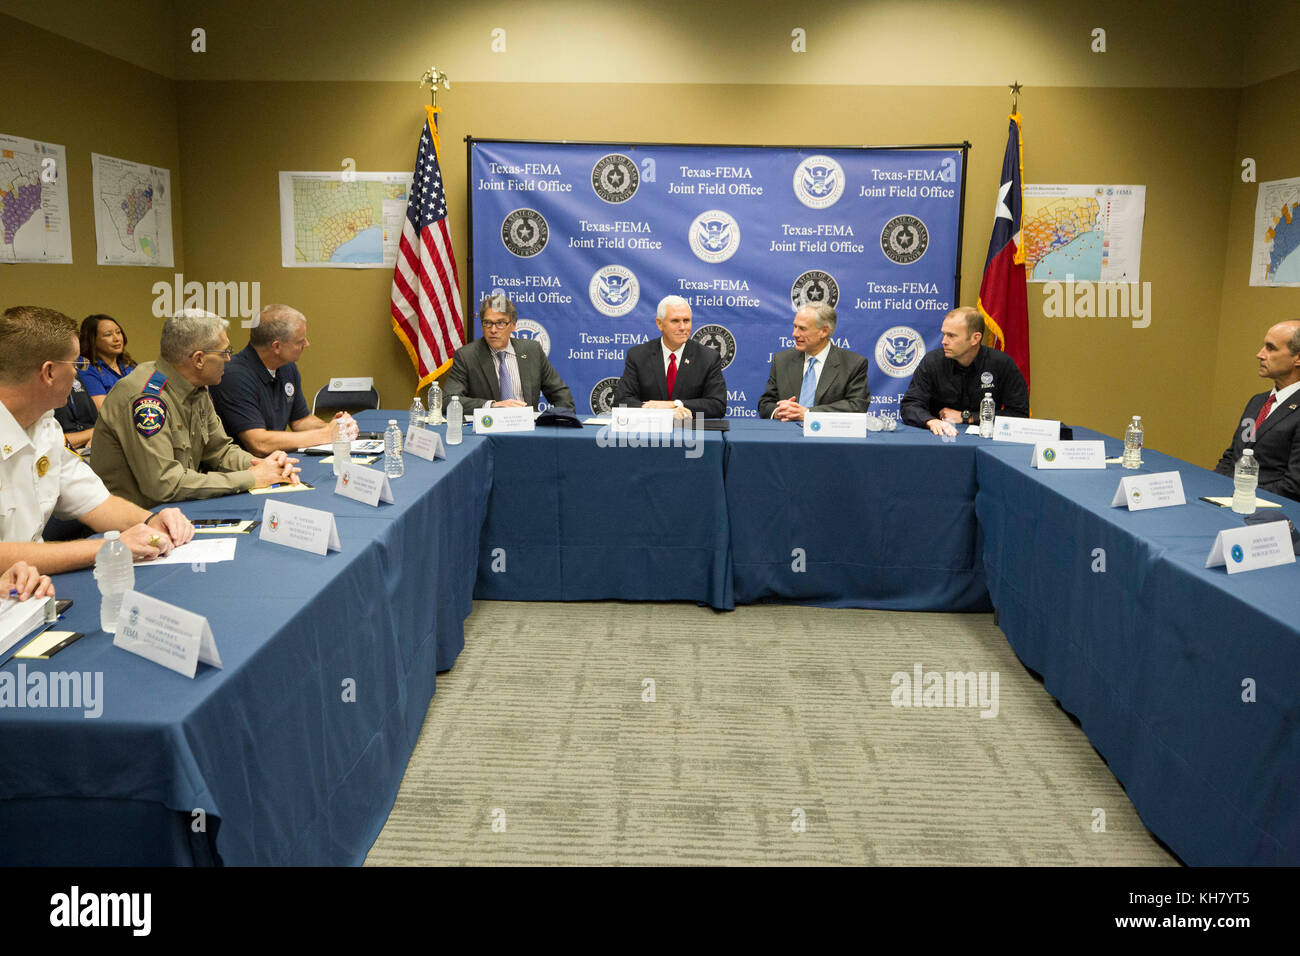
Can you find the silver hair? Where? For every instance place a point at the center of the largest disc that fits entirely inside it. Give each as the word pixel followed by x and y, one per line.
pixel 275 323
pixel 662 309
pixel 189 330
pixel 824 314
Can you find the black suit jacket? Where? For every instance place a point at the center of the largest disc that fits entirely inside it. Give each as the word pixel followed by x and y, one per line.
pixel 1276 445
pixel 699 384
pixel 841 388
pixel 473 375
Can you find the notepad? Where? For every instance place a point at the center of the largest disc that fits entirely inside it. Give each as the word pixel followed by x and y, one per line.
pixel 285 486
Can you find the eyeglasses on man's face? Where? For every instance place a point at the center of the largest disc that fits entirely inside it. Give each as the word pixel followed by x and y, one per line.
pixel 80 363
pixel 497 323
pixel 227 352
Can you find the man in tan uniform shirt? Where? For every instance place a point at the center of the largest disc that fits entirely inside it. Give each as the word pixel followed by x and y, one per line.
pixel 158 437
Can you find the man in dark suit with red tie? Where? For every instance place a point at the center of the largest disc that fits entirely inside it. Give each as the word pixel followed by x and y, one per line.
pixel 1271 422
pixel 672 371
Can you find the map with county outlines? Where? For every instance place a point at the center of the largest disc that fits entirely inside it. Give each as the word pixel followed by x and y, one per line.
pixel 327 221
pixel 1084 233
pixel 33 202
pixel 1275 256
pixel 133 212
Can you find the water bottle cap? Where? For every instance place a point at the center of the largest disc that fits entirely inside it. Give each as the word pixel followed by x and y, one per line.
pixel 1249 451
pixel 392 421
pixel 112 535
pixel 988 394
pixel 1137 418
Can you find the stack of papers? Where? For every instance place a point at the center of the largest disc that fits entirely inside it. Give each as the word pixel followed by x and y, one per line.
pixel 18 619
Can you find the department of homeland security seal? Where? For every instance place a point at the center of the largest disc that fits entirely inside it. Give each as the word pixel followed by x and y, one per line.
pixel 714 236
pixel 818 182
pixel 148 414
pixel 614 291
pixel 615 178
pixel 288 389
pixel 602 396
pixel 814 287
pixel 904 239
pixel 525 233
pixel 899 351
pixel 528 329
pixel 986 379
pixel 718 338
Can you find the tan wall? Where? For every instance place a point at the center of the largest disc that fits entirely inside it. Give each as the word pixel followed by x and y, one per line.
pixel 1266 131
pixel 65 93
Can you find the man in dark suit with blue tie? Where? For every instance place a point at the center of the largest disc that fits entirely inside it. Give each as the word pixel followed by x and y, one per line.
pixel 501 370
pixel 1271 422
pixel 672 371
pixel 815 375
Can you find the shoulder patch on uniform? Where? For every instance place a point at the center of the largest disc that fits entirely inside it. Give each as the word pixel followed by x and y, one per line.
pixel 148 414
pixel 155 384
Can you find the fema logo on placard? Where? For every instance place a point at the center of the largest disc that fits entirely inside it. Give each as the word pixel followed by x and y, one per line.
pixel 718 338
pixel 602 396
pixel 1049 454
pixel 525 232
pixel 715 236
pixel 986 379
pixel 528 329
pixel 615 178
pixel 815 426
pixel 819 182
pixel 899 351
pixel 133 616
pixel 814 287
pixel 288 389
pixel 904 239
pixel 614 291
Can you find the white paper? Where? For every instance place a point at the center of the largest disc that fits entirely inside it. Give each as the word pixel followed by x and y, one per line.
pixel 1069 454
pixel 366 485
pixel 500 420
pixel 165 634
pixel 343 219
pixel 1083 233
pixel 1251 547
pixel 641 420
pixel 424 443
pixel 18 619
pixel 133 214
pixel 307 529
pixel 360 446
pixel 835 425
pixel 34 175
pixel 1274 254
pixel 1143 492
pixel 196 551
pixel 1026 431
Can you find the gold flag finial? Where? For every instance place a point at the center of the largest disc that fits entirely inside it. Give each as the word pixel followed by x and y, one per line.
pixel 1015 89
pixel 433 77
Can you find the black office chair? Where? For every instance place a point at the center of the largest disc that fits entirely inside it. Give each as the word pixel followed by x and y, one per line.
pixel 330 402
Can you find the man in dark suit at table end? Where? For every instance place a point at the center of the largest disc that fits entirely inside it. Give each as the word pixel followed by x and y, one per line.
pixel 672 371
pixel 1270 423
pixel 815 375
pixel 499 369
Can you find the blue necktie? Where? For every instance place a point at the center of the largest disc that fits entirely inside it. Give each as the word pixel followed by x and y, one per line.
pixel 503 374
pixel 808 394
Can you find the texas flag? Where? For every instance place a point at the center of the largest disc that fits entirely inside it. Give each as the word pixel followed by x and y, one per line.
pixel 1002 299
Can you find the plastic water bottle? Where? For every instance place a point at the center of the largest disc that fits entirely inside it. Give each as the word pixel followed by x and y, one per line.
pixel 1133 444
pixel 455 421
pixel 341 444
pixel 987 411
pixel 115 573
pixel 417 419
pixel 435 404
pixel 1245 477
pixel 394 467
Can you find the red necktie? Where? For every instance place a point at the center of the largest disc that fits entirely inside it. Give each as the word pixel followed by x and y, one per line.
pixel 672 372
pixel 1263 412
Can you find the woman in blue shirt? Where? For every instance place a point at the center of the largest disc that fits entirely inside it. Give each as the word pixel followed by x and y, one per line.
pixel 103 343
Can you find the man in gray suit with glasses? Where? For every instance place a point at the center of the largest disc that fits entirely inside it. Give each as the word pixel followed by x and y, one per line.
pixel 501 370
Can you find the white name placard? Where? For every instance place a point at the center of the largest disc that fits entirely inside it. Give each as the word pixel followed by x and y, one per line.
pixel 640 420
pixel 1140 492
pixel 1069 454
pixel 307 529
pixel 495 420
pixel 366 485
pixel 835 425
pixel 424 443
pixel 352 384
pixel 165 634
pixel 1254 546
pixel 1026 431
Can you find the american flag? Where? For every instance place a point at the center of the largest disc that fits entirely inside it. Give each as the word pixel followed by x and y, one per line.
pixel 426 288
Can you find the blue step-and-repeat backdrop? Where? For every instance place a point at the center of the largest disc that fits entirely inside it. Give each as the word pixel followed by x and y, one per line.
pixel 587 238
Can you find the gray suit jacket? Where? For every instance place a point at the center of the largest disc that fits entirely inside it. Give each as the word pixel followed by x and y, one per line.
pixel 473 375
pixel 841 388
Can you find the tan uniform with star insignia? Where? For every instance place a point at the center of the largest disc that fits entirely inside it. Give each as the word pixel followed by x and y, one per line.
pixel 39 477
pixel 169 447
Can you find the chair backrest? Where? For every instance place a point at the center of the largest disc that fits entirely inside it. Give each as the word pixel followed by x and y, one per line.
pixel 331 402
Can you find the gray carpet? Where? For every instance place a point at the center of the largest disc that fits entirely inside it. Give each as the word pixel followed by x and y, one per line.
pixel 772 739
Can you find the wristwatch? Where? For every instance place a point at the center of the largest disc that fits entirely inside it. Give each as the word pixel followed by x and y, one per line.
pixel 965 417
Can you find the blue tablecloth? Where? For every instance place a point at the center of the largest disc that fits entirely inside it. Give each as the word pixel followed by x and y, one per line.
pixel 285 769
pixel 1151 653
pixel 883 522
pixel 571 519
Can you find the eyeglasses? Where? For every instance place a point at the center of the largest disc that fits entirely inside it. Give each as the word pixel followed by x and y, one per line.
pixel 80 364
pixel 497 324
pixel 227 352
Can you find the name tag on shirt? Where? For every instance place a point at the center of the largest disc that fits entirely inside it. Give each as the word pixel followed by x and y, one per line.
pixel 1026 431
pixel 366 485
pixel 307 529
pixel 1252 547
pixel 835 425
pixel 1069 454
pixel 165 634
pixel 497 420
pixel 1142 492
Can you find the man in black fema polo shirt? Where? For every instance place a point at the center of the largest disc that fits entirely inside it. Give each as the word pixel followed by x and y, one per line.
pixel 946 389
pixel 260 398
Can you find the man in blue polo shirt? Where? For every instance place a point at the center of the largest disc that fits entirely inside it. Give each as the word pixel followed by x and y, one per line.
pixel 260 398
